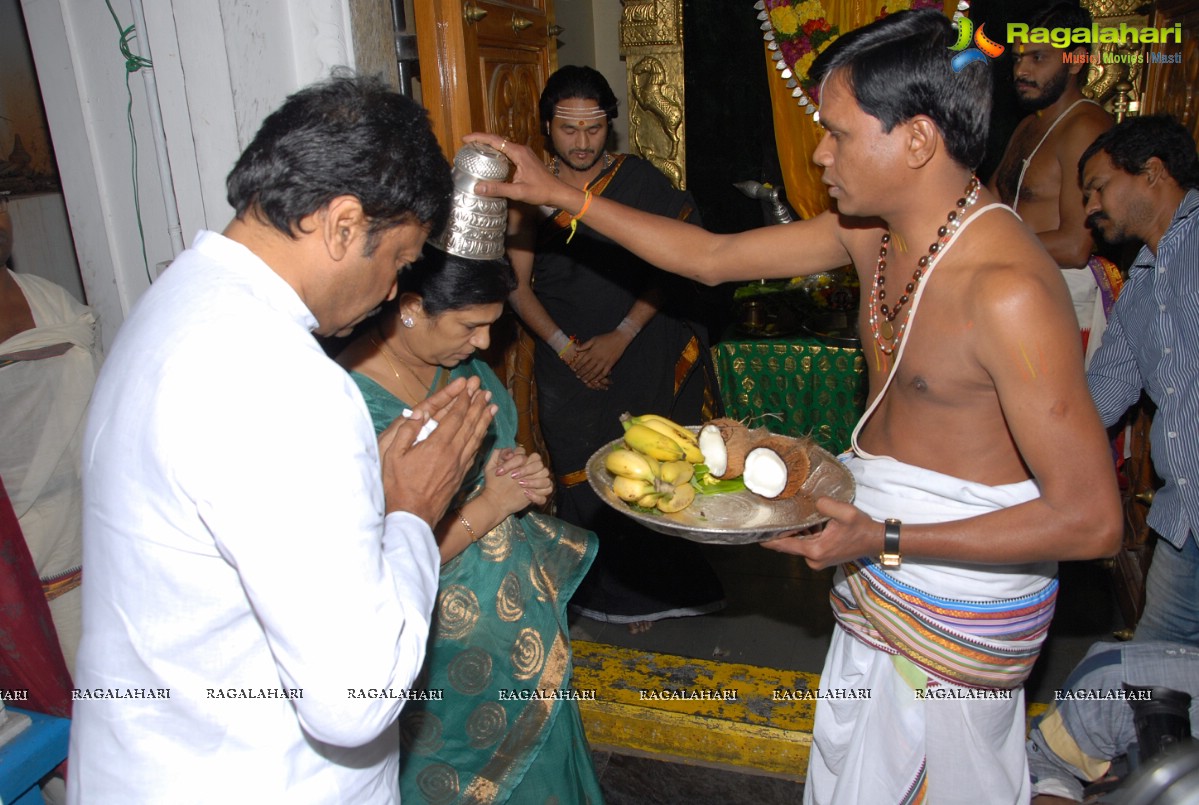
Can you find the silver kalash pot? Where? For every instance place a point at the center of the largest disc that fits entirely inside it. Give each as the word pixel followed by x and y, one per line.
pixel 477 224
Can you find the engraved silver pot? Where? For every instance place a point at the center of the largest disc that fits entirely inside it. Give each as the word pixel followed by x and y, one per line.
pixel 477 224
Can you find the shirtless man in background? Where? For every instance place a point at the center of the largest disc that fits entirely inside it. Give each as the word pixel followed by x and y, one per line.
pixel 979 441
pixel 1051 139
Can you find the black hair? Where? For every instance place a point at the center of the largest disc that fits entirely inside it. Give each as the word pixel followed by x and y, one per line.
pixel 899 67
pixel 1130 145
pixel 1065 14
pixel 347 136
pixel 574 81
pixel 447 282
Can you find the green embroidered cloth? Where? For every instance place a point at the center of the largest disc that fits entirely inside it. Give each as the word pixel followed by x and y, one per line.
pixel 793 386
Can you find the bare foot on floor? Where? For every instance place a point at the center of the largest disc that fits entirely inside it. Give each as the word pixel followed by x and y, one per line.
pixel 640 627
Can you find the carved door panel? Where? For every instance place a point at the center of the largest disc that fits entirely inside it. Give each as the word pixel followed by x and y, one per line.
pixel 1172 87
pixel 483 64
pixel 651 42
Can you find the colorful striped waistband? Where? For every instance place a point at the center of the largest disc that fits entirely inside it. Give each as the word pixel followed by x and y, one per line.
pixel 982 644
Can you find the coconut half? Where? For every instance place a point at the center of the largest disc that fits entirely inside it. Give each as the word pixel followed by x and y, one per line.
pixel 776 467
pixel 725 443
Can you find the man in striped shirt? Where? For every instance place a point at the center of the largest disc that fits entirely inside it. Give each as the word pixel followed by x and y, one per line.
pixel 1139 182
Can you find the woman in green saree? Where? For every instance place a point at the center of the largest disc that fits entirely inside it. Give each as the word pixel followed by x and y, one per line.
pixel 501 723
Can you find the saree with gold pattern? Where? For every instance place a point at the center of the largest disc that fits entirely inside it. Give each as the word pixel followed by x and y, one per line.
pixel 494 719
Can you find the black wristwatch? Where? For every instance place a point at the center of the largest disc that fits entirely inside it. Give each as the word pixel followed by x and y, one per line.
pixel 890 558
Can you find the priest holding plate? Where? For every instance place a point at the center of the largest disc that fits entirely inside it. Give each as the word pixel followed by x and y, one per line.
pixel 979 435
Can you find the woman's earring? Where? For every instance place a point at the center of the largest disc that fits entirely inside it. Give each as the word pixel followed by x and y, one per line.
pixel 408 322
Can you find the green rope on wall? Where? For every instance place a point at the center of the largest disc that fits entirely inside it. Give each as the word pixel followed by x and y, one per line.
pixel 133 63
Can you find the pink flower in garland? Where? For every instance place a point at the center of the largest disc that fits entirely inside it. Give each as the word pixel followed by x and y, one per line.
pixel 794 49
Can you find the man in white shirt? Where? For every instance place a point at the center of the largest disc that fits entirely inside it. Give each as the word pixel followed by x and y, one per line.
pixel 256 559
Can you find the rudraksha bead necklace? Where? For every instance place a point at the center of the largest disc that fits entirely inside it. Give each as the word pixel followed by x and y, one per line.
pixel 882 315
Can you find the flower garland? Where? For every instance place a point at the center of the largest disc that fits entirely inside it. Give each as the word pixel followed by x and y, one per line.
pixel 797 31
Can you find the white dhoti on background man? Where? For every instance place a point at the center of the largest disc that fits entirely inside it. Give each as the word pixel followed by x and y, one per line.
pixel 1088 307
pixel 46 379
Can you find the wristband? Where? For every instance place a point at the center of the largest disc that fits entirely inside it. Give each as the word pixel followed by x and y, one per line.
pixel 558 341
pixel 629 327
pixel 890 558
pixel 570 342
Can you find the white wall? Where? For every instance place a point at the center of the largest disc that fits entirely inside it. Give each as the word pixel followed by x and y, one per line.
pixel 606 17
pixel 220 67
pixel 592 37
pixel 576 44
pixel 42 242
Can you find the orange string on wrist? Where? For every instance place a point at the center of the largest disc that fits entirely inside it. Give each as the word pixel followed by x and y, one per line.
pixel 574 219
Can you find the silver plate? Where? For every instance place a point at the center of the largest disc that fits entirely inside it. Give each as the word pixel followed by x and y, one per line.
pixel 736 518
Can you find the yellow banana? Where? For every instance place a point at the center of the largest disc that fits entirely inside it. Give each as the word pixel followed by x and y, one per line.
pixel 676 472
pixel 631 464
pixel 680 432
pixel 681 498
pixel 631 489
pixel 652 443
pixel 649 500
pixel 668 427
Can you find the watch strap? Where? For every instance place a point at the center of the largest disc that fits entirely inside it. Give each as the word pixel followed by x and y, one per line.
pixel 891 557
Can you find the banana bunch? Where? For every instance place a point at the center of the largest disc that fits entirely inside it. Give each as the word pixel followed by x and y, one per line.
pixel 661 438
pixel 655 467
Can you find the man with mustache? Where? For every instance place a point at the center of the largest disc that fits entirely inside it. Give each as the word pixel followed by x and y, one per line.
pixel 1036 174
pixel 633 345
pixel 1139 182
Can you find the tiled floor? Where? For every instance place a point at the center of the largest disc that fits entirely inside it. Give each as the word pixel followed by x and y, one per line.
pixel 778 616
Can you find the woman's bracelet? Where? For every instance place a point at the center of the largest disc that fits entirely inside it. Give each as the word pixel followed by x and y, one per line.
pixel 629 326
pixel 466 524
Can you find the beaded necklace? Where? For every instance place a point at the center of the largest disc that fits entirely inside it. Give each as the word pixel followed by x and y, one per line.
pixel 555 165
pixel 882 315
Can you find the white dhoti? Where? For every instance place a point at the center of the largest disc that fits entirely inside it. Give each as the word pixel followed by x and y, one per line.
pixel 943 649
pixel 1088 307
pixel 45 386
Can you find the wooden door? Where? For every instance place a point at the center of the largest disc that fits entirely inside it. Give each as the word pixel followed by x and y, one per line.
pixel 1172 87
pixel 1130 567
pixel 483 64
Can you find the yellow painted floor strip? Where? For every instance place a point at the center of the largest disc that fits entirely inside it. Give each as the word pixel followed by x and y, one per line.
pixel 698 711
pixel 695 710
pixel 696 739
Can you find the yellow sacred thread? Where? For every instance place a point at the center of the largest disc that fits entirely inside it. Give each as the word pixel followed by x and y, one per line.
pixel 1031 369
